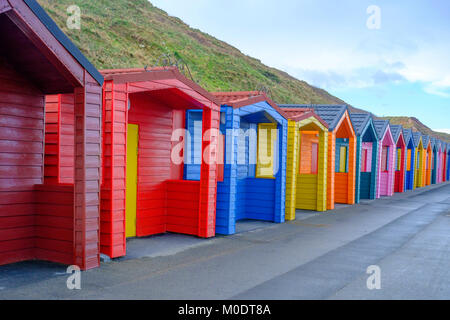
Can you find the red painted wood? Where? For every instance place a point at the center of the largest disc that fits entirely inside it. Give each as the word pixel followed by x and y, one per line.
pixel 399 178
pixel 50 221
pixel 164 201
pixel 87 177
pixel 21 163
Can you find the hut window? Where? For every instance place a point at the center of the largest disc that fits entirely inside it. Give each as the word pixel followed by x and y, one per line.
pixel 399 159
pixel 343 159
pixel 365 153
pixel 385 159
pixel 267 137
pixel 309 149
pixel 408 163
pixel 314 158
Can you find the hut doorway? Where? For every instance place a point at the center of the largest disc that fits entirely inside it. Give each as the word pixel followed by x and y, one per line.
pixel 132 164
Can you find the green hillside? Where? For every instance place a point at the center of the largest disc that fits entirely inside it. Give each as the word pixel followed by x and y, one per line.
pixel 134 33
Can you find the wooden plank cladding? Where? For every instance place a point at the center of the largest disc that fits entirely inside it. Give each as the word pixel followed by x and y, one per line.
pixel 50 99
pixel 164 201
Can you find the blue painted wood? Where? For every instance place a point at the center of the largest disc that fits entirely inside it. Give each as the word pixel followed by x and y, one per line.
pixel 365 182
pixel 241 195
pixel 409 175
pixel 448 162
pixel 192 157
pixel 435 163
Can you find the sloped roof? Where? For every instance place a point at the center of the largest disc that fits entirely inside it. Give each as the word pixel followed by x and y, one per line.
pixel 298 114
pixel 233 97
pixel 359 122
pixel 396 130
pixel 332 114
pixel 425 140
pixel 380 127
pixel 63 39
pixel 438 143
pixel 416 138
pixel 407 135
pixel 158 75
pixel 433 142
pixel 239 99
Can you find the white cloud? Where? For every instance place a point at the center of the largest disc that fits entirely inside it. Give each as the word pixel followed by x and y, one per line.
pixel 442 130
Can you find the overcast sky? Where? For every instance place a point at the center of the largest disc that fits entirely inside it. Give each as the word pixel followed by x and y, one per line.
pixel 400 68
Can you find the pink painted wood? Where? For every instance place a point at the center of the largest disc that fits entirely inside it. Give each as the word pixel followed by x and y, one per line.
pixel 385 181
pixel 369 147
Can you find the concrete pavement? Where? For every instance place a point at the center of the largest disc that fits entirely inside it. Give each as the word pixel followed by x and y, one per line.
pixel 318 256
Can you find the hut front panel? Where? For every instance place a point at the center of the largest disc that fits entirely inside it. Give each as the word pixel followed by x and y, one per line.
pixel 227 189
pixel 59 138
pixel 183 206
pixel 366 184
pixel 448 164
pixel 21 163
pixel 306 197
pixel 291 169
pixel 112 214
pixel 260 199
pixel 331 170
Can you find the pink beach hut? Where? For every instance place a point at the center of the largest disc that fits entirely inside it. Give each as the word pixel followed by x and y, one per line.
pixel 386 158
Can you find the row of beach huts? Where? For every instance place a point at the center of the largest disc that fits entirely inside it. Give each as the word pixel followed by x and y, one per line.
pixel 90 158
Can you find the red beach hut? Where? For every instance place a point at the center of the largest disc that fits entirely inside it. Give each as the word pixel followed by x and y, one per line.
pixel 142 111
pixel 143 191
pixel 43 218
pixel 400 158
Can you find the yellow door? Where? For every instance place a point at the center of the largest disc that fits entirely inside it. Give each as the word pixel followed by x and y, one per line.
pixel 132 153
pixel 343 159
pixel 267 136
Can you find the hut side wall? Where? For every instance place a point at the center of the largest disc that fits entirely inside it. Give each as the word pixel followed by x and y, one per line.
pixel 21 163
pixel 59 138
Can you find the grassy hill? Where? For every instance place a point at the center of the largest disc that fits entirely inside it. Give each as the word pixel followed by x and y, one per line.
pixel 134 33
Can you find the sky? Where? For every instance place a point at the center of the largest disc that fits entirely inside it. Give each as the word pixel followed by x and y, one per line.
pixel 391 57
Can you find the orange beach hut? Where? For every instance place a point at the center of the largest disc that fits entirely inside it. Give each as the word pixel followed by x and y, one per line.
pixel 341 162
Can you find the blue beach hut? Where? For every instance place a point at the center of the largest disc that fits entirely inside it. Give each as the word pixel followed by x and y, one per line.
pixel 252 183
pixel 366 156
pixel 410 159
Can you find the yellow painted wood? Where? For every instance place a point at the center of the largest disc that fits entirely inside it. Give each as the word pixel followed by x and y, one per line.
pixel 305 191
pixel 132 160
pixel 267 136
pixel 419 166
pixel 291 169
pixel 343 159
